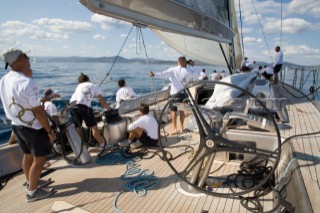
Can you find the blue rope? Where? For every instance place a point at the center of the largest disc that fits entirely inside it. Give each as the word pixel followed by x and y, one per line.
pixel 139 181
pixel 114 158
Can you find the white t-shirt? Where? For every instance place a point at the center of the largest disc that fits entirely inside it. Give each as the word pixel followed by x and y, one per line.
pixel 193 72
pixel 202 76
pixel 19 94
pixel 148 123
pixel 278 58
pixel 125 93
pixel 215 76
pixel 268 70
pixel 85 92
pixel 50 108
pixel 178 77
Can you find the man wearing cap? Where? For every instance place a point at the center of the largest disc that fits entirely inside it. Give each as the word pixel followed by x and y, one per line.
pixel 82 97
pixel 21 102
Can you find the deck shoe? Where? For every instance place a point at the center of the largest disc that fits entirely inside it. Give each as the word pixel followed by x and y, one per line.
pixel 40 193
pixel 124 143
pixel 41 183
pixel 135 145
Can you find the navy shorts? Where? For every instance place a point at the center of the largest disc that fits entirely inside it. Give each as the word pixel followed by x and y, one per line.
pixel 277 68
pixel 147 141
pixel 177 98
pixel 84 113
pixel 33 141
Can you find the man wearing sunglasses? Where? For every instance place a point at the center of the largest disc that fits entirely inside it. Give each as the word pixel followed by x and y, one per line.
pixel 21 101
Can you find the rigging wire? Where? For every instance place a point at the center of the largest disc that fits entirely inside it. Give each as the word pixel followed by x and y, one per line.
pixel 145 50
pixel 116 57
pixel 241 30
pixel 281 27
pixel 264 36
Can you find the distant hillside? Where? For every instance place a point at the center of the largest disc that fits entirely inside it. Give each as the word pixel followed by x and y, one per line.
pixel 120 59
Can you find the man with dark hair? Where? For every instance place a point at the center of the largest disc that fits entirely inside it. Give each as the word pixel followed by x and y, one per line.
pixel 145 130
pixel 124 93
pixel 83 96
pixel 178 77
pixel 278 60
pixel 22 105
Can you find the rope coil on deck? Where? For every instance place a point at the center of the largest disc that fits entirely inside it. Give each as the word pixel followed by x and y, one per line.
pixel 138 181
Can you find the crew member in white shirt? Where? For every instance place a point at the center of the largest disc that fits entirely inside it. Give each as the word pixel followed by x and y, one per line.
pixel 145 130
pixel 278 60
pixel 124 93
pixel 267 72
pixel 49 106
pixel 82 97
pixel 222 74
pixel 21 102
pixel 193 70
pixel 215 76
pixel 178 77
pixel 203 75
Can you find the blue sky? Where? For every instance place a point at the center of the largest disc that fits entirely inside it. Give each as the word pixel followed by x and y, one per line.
pixel 67 28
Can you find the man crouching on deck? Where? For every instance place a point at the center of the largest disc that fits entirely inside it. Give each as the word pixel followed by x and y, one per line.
pixel 145 130
pixel 21 103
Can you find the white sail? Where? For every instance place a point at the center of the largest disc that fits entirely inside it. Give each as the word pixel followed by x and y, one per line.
pixel 199 49
pixel 192 27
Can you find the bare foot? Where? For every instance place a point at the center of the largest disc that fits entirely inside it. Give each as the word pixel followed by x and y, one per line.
pixel 47 165
pixel 174 132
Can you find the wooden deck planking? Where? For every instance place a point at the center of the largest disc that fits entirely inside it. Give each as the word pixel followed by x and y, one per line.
pixel 305 118
pixel 94 187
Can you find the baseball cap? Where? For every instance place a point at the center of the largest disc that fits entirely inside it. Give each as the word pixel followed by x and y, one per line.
pixel 11 55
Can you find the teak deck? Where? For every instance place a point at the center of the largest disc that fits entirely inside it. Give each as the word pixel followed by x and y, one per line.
pixel 94 187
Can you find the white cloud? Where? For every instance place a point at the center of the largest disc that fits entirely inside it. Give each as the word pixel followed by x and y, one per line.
pixel 107 23
pixel 45 35
pixel 12 29
pixel 99 37
pixel 59 25
pixel 301 50
pixel 289 25
pixel 251 40
pixel 306 7
pixel 17 28
pixel 246 30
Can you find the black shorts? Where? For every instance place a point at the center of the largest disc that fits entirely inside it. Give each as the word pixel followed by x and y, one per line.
pixel 277 68
pixel 147 141
pixel 33 141
pixel 177 98
pixel 84 113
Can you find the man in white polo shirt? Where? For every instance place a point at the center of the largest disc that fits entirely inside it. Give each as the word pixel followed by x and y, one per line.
pixel 22 105
pixel 178 77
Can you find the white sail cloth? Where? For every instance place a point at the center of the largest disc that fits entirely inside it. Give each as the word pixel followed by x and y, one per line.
pixel 222 93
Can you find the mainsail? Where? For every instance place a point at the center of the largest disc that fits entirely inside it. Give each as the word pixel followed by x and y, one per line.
pixel 192 27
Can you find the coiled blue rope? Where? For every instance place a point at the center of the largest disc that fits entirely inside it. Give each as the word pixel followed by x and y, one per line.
pixel 114 158
pixel 138 181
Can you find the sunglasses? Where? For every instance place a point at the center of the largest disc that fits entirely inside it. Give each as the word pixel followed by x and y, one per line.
pixel 25 56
